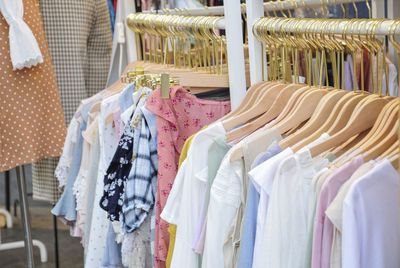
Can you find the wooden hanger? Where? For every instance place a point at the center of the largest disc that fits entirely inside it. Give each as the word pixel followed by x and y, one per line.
pixel 115 88
pixel 390 115
pixel 383 135
pixel 303 111
pixel 383 145
pixel 294 100
pixel 300 113
pixel 276 108
pixel 391 151
pixel 361 120
pixel 251 96
pixel 317 119
pixel 261 106
pixel 395 161
pixel 381 118
pixel 347 112
pixel 341 151
pixel 331 119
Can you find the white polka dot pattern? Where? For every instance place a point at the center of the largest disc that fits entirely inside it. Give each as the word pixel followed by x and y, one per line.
pixel 32 124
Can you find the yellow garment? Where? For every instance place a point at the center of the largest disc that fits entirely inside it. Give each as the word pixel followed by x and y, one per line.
pixel 172 227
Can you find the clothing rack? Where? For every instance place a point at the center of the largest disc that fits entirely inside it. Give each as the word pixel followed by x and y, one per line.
pixel 232 11
pixel 268 6
pixel 28 242
pixel 255 10
pixel 385 28
pixel 232 21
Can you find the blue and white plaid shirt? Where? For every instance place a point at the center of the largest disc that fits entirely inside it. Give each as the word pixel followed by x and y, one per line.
pixel 140 187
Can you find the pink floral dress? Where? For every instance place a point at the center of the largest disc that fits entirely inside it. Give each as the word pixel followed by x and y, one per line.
pixel 178 118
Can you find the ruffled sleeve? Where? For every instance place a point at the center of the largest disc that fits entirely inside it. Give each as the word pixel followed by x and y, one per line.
pixel 24 49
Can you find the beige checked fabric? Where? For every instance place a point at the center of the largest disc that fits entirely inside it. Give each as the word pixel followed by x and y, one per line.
pixel 79 36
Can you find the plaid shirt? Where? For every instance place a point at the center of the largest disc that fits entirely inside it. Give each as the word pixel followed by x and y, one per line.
pixel 140 187
pixel 121 165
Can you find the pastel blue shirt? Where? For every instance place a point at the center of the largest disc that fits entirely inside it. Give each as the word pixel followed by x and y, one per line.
pixel 250 217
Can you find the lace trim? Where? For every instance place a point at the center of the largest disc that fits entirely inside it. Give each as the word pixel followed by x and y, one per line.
pixel 28 63
pixel 61 172
pixel 79 189
pixel 62 169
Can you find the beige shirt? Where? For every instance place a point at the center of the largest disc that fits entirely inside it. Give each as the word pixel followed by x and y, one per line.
pixel 334 213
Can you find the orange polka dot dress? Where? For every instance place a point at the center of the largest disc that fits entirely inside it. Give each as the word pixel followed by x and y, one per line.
pixel 32 124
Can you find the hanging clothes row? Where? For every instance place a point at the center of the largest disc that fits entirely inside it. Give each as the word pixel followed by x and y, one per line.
pixel 121 156
pixel 298 175
pixel 114 147
pixel 157 177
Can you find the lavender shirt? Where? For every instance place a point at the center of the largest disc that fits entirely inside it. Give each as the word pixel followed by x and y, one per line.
pixel 323 228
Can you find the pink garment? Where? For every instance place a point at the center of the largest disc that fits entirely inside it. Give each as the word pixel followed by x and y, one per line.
pixel 178 117
pixel 323 228
pixel 75 231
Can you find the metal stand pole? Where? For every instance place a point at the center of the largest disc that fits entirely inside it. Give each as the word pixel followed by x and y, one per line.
pixel 7 189
pixel 25 216
pixel 57 262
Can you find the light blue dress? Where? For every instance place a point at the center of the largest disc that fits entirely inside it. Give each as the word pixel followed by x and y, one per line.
pixel 65 208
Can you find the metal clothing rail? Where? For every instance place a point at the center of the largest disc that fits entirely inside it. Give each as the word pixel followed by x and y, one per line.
pixel 342 26
pixel 231 22
pixel 325 27
pixel 255 9
pixel 268 6
pixel 28 242
pixel 232 11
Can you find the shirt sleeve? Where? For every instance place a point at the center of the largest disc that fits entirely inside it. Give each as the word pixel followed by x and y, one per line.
pixel 139 190
pixel 116 174
pixel 170 212
pixel 350 246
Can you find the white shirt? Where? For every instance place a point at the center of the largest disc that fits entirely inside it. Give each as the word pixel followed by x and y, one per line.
pixel 185 200
pixel 283 210
pixel 285 233
pixel 263 176
pixel 370 227
pixel 263 179
pixel 225 197
pixel 108 140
